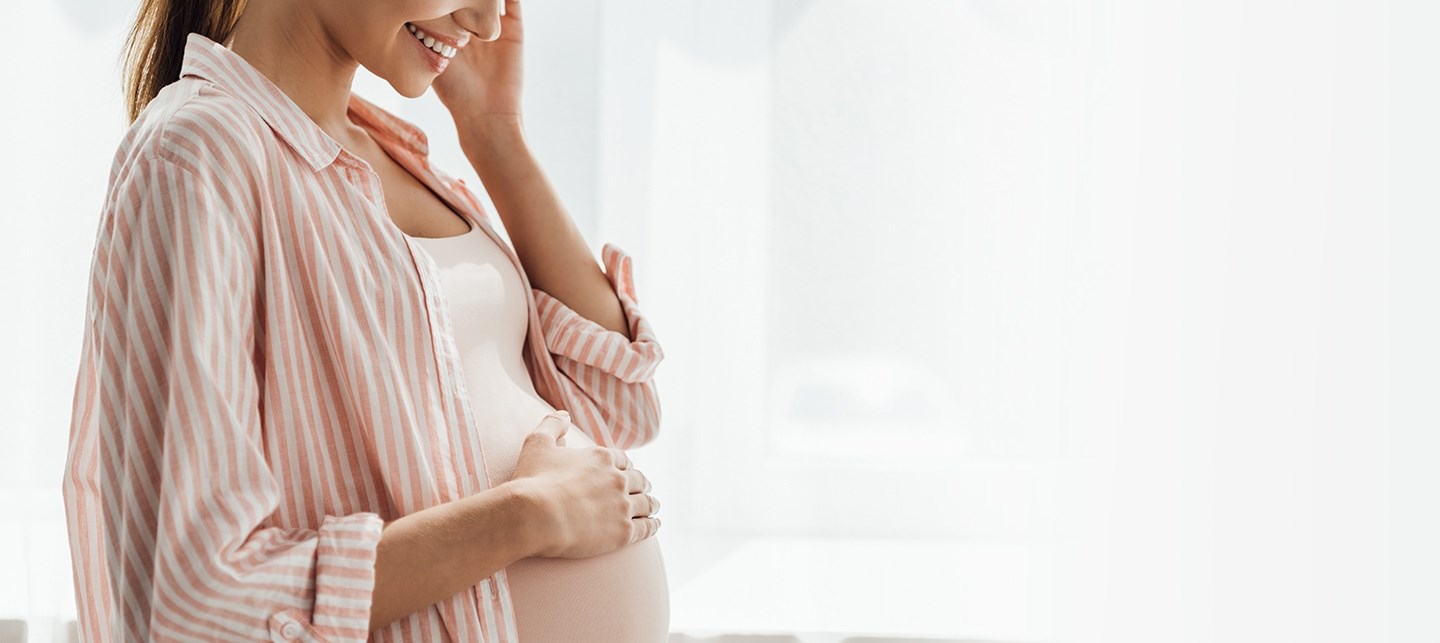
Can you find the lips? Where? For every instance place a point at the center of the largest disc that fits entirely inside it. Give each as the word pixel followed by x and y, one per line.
pixel 433 60
pixel 444 46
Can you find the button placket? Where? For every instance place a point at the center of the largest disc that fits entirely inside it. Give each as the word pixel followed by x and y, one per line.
pixel 290 628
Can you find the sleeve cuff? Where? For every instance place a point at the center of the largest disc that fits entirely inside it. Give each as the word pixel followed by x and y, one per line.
pixel 571 335
pixel 344 583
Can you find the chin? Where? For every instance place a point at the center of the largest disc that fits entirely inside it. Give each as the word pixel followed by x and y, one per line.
pixel 412 87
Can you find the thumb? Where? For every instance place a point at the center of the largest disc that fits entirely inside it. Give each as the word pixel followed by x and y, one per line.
pixel 554 426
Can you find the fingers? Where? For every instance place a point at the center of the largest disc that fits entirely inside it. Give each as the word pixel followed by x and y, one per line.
pixel 622 461
pixel 553 426
pixel 643 505
pixel 642 528
pixel 636 482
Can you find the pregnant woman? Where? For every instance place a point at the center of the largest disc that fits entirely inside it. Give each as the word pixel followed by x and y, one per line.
pixel 319 398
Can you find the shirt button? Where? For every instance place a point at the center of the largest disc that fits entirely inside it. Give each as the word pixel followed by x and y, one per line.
pixel 290 631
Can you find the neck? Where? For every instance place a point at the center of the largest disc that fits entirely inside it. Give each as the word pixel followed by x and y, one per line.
pixel 294 51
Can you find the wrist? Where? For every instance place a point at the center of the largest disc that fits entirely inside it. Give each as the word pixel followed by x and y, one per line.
pixel 533 518
pixel 490 131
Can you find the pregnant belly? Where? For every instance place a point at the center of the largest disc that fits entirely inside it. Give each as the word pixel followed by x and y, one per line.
pixel 618 597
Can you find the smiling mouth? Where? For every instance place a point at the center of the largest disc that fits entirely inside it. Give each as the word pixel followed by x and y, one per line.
pixel 446 51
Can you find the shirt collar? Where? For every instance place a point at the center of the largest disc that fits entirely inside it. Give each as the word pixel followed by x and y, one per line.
pixel 209 60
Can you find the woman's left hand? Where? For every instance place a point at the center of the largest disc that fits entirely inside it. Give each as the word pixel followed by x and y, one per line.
pixel 485 78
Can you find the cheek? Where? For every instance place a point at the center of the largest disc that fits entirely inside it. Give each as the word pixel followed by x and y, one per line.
pixel 419 9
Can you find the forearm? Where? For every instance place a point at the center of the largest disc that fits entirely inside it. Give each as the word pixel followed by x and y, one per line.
pixel 432 554
pixel 549 244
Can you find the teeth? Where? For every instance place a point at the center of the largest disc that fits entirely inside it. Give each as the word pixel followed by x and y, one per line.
pixel 430 41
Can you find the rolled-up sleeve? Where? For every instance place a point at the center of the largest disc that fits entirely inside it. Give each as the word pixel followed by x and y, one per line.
pixel 614 373
pixel 167 485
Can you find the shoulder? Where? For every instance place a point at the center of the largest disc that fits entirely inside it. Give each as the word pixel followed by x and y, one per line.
pixel 193 144
pixel 198 128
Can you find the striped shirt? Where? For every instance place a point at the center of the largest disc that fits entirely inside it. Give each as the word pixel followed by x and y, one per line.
pixel 268 374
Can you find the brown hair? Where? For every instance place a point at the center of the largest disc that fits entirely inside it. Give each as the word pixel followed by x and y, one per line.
pixel 156 45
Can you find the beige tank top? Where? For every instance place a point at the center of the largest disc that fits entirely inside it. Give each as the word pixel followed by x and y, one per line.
pixel 619 597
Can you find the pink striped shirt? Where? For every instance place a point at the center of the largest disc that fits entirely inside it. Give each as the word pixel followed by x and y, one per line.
pixel 268 374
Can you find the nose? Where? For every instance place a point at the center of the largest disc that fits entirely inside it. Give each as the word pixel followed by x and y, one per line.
pixel 488 31
pixel 481 20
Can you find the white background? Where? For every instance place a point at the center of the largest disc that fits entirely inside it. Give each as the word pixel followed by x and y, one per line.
pixel 1084 321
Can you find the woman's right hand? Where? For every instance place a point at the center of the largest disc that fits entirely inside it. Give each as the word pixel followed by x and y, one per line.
pixel 590 500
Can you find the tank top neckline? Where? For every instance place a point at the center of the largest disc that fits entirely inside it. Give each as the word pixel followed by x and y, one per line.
pixel 473 229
